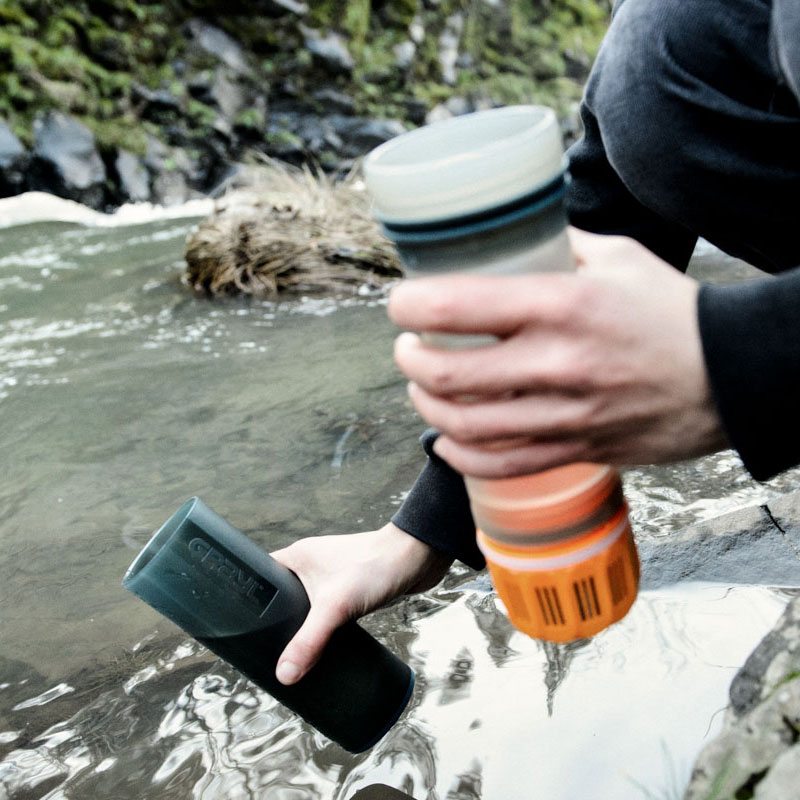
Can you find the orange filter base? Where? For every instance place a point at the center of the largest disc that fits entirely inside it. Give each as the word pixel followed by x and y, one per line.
pixel 570 602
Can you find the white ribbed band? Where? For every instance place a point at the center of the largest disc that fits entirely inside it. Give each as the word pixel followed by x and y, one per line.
pixel 552 562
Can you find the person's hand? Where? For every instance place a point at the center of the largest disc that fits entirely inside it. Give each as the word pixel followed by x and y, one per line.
pixel 604 364
pixel 348 576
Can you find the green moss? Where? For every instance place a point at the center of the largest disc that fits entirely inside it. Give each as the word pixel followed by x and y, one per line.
pixel 126 133
pixel 283 139
pixel 12 13
pixel 201 114
pixel 252 119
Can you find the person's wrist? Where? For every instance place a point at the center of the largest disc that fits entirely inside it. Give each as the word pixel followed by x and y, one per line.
pixel 426 564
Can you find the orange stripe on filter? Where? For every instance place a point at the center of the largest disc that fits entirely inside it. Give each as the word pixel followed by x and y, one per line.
pixel 579 551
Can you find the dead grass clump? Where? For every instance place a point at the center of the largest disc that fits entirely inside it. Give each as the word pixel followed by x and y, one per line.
pixel 288 230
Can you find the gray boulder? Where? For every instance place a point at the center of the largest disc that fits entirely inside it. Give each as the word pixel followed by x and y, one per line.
pixel 66 161
pixel 155 104
pixel 449 42
pixel 359 135
pixel 745 546
pixel 171 188
pixel 132 177
pixel 219 44
pixel 228 93
pixel 332 101
pixel 14 159
pixel 757 754
pixel 329 52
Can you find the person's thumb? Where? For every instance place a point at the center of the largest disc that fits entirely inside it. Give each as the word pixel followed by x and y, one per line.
pixel 305 648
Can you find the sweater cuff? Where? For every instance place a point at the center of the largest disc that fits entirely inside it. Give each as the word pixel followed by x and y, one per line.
pixel 436 510
pixel 751 342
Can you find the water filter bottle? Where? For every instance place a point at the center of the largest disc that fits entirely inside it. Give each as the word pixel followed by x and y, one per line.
pixel 225 591
pixel 483 193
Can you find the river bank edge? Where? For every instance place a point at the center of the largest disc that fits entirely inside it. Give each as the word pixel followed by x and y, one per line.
pixel 166 102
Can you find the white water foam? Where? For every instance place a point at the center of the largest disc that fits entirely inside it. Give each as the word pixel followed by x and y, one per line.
pixel 42 207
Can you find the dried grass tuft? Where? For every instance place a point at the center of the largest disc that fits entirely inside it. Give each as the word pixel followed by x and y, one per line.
pixel 288 230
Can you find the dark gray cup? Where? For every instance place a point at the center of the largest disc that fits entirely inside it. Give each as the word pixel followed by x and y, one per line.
pixel 226 592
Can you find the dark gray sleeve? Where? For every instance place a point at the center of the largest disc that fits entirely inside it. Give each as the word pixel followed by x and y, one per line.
pixel 599 202
pixel 751 341
pixel 437 511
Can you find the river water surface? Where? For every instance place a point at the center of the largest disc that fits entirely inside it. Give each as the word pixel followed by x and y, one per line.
pixel 122 394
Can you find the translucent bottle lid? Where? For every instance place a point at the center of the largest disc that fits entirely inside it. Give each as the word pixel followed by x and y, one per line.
pixel 465 164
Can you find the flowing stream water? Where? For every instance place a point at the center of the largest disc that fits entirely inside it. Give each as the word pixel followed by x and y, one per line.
pixel 122 394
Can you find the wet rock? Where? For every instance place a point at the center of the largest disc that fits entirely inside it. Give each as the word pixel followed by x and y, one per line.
pixel 219 44
pixel 224 129
pixel 416 111
pixel 332 101
pixel 775 657
pixel 14 160
pixel 741 547
pixel 156 104
pixel 317 133
pixel 757 753
pixel 785 512
pixel 276 8
pixel 454 107
pixel 783 779
pixel 199 85
pixel 404 54
pixel 416 30
pixel 171 188
pixel 329 52
pixel 438 113
pixel 157 155
pixel 449 41
pixel 175 176
pixel 66 161
pixel 227 93
pixel 359 135
pixel 132 177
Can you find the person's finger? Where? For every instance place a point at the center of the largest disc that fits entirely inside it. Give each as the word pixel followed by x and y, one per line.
pixel 306 646
pixel 484 304
pixel 537 361
pixel 544 416
pixel 521 459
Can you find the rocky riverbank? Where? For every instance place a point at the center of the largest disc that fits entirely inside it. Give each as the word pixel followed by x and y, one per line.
pixel 757 753
pixel 113 101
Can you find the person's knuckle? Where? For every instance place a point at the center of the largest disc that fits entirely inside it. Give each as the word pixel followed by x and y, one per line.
pixel 460 424
pixel 564 303
pixel 442 377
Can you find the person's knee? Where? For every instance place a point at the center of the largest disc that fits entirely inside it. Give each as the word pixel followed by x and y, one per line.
pixel 665 74
pixel 626 92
